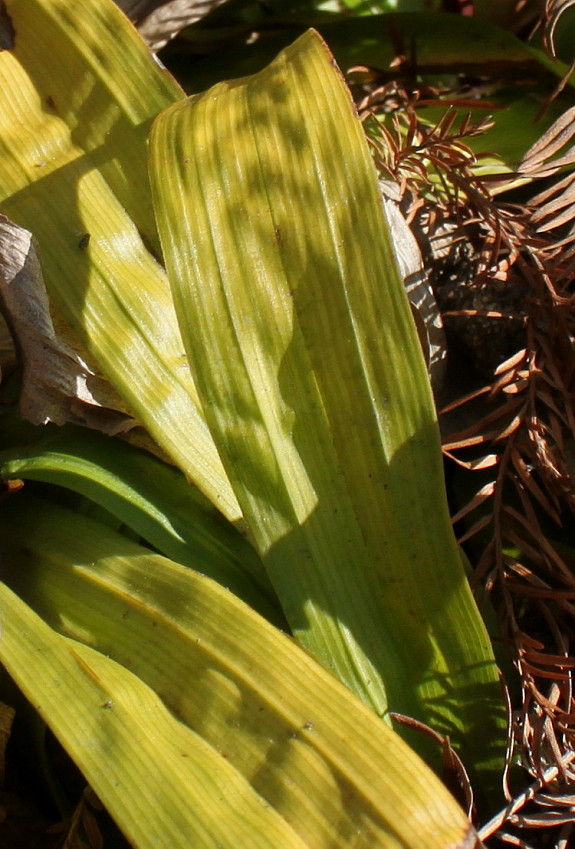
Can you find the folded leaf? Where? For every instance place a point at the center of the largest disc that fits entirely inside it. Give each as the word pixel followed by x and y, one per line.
pixel 312 380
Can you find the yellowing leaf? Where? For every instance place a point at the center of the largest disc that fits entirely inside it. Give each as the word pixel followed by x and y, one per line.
pixel 306 357
pixel 163 784
pixel 78 90
pixel 312 752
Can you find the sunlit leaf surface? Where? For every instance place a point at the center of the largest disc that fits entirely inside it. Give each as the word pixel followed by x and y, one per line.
pixel 306 357
pixel 270 749
pixel 78 90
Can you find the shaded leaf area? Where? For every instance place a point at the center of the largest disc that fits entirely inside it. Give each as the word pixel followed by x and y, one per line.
pixel 501 263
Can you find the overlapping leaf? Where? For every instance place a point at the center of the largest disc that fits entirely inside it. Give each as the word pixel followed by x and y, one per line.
pixel 307 360
pixel 271 730
pixel 152 499
pixel 73 130
pixel 160 780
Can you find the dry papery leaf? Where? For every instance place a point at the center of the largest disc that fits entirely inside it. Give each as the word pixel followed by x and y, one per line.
pixel 58 384
pixel 419 292
pixel 526 421
pixel 159 21
pixel 551 14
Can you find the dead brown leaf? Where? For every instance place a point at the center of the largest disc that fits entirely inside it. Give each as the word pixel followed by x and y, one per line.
pixel 58 384
pixel 159 21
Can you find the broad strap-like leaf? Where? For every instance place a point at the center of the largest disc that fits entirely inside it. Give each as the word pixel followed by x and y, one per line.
pixel 310 749
pixel 78 91
pixel 165 786
pixel 307 360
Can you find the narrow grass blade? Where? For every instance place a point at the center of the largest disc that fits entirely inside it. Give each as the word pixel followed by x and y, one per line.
pixel 313 383
pixel 78 90
pixel 314 753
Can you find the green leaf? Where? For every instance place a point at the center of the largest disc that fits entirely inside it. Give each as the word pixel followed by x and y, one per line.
pixel 306 357
pixel 78 90
pixel 151 498
pixel 321 766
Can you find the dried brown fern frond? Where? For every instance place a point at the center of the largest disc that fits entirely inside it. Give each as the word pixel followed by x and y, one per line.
pixel 531 578
pixel 429 160
pixel 554 9
pixel 504 279
pixel 509 272
pixel 541 160
pixel 525 434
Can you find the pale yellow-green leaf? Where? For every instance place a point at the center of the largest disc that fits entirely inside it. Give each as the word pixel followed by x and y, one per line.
pixel 306 357
pixel 326 763
pixel 78 90
pixel 165 786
